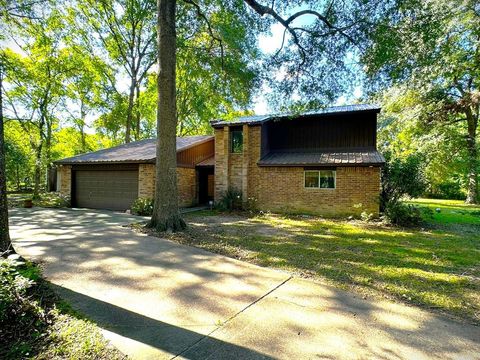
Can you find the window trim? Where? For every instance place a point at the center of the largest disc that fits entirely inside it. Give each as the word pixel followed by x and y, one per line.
pixel 318 171
pixel 232 130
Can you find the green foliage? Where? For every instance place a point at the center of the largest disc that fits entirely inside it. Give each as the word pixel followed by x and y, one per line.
pixel 230 200
pixel 401 177
pixel 36 324
pixel 447 189
pixel 22 319
pixel 142 207
pixel 401 214
pixel 428 51
pixel 18 156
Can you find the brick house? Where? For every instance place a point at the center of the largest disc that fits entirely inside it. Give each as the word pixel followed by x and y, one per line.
pixel 322 162
pixel 113 178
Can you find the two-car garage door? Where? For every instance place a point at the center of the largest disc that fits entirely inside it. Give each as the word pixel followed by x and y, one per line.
pixel 105 189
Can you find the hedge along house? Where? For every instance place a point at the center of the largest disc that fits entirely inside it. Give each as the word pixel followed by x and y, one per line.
pixel 323 162
pixel 113 178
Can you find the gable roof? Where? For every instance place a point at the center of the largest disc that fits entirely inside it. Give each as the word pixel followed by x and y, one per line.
pixel 259 119
pixel 134 152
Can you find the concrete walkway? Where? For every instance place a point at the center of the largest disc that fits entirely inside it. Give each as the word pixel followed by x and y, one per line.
pixel 160 300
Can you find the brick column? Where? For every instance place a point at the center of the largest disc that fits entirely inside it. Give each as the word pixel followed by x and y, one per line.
pixel 65 173
pixel 245 163
pixel 221 161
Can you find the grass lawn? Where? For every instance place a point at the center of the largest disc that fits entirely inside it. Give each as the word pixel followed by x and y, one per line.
pixel 437 267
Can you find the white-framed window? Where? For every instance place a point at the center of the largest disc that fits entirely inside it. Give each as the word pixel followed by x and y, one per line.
pixel 320 179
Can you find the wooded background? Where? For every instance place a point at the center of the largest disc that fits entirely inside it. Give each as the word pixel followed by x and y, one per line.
pixel 79 76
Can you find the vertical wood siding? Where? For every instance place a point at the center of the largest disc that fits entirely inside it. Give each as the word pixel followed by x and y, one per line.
pixel 192 156
pixel 327 132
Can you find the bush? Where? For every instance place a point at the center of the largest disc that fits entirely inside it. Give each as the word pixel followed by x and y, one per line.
pixel 22 319
pixel 401 214
pixel 142 207
pixel 230 200
pixel 401 177
pixel 449 189
pixel 407 215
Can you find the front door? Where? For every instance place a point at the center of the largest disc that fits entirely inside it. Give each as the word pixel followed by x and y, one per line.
pixel 206 184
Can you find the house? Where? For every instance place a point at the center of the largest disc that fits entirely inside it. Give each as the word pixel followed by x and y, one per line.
pixel 322 162
pixel 113 178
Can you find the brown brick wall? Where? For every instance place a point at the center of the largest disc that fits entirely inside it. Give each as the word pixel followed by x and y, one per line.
pixel 282 188
pixel 146 181
pixel 65 179
pixel 186 179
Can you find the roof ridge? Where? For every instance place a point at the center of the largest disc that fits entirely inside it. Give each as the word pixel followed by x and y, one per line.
pixel 258 119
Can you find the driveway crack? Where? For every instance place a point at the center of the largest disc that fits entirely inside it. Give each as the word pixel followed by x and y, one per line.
pixel 233 317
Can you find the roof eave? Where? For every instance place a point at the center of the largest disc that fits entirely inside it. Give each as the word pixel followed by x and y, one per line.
pixel 373 164
pixel 210 138
pixel 219 124
pixel 104 162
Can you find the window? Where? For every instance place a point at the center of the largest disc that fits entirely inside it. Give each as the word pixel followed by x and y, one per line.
pixel 236 140
pixel 323 179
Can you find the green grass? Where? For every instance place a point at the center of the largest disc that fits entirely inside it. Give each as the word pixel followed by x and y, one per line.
pixel 451 211
pixel 437 267
pixel 46 200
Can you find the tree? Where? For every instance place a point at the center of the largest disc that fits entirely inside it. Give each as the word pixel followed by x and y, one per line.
pixel 37 87
pixel 304 38
pixel 431 47
pixel 87 87
pixel 126 31
pixel 405 131
pixel 165 213
pixel 5 242
pixel 8 11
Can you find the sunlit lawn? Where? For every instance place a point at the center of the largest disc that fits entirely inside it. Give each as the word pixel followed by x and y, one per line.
pixel 437 267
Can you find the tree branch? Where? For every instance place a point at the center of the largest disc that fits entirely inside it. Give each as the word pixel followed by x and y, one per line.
pixel 265 10
pixel 201 15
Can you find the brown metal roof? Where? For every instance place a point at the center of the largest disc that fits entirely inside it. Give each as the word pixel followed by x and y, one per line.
pixel 327 158
pixel 207 162
pixel 259 119
pixel 135 152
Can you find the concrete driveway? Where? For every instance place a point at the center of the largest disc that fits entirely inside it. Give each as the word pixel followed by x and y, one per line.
pixel 157 299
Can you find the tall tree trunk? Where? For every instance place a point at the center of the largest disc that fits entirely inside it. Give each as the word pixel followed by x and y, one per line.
pixel 83 115
pixel 472 189
pixel 166 216
pixel 48 155
pixel 38 171
pixel 5 242
pixel 137 112
pixel 131 98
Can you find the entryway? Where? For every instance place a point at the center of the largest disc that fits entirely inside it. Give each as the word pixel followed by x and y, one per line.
pixel 206 183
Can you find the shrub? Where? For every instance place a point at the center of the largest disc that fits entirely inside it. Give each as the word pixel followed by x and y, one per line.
pixel 230 200
pixel 401 177
pixel 449 189
pixel 142 207
pixel 22 319
pixel 407 215
pixel 401 214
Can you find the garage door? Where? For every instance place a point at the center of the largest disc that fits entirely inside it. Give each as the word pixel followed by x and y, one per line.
pixel 105 189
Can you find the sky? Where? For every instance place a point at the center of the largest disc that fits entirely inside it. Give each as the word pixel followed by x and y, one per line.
pixel 271 43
